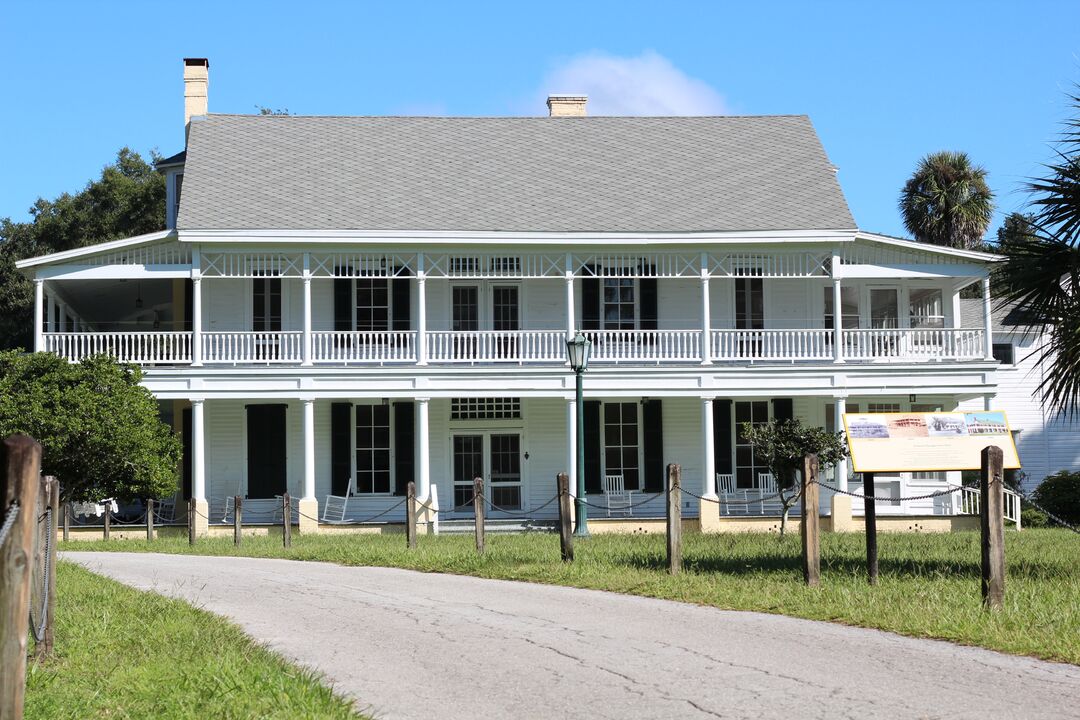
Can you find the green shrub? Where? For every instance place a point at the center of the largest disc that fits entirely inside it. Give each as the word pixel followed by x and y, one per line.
pixel 1032 518
pixel 1060 495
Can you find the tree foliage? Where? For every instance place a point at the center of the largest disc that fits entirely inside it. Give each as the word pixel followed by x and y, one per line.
pixel 784 444
pixel 128 199
pixel 1060 494
pixel 100 431
pixel 947 201
pixel 1042 272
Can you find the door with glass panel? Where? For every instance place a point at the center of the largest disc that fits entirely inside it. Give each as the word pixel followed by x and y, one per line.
pixel 493 456
pixel 266 317
pixel 464 318
pixel 926 316
pixel 505 321
pixel 885 316
pixel 749 315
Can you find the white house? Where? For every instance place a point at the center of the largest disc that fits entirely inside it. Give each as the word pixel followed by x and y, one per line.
pixel 341 305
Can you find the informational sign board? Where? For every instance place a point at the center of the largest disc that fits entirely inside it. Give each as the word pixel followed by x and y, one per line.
pixel 926 442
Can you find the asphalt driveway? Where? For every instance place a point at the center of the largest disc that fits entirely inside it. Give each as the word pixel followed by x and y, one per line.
pixel 426 646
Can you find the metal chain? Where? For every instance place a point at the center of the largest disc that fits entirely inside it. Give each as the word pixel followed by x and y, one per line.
pixel 952 489
pixel 718 501
pixel 496 508
pixel 38 628
pixel 9 520
pixel 1052 516
pixel 647 500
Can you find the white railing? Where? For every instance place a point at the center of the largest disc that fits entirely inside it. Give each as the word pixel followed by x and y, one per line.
pixel 644 345
pixel 771 345
pixel 914 344
pixel 356 346
pixel 522 346
pixel 252 347
pixel 968 499
pixel 135 347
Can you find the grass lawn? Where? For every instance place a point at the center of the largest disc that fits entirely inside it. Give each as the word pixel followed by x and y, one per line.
pixel 929 583
pixel 122 653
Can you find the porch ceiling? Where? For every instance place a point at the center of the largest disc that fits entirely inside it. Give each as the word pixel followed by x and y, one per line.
pixel 115 300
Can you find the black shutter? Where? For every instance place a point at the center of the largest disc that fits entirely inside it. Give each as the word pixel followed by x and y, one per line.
pixel 185 438
pixel 652 423
pixel 404 444
pixel 722 436
pixel 593 481
pixel 783 409
pixel 590 301
pixel 343 297
pixel 648 307
pixel 401 302
pixel 340 448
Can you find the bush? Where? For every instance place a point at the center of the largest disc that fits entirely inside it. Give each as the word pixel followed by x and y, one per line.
pixel 1032 518
pixel 1060 495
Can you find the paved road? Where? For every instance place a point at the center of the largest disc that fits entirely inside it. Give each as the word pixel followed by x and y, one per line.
pixel 413 645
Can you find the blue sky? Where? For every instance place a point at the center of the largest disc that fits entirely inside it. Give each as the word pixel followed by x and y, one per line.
pixel 884 83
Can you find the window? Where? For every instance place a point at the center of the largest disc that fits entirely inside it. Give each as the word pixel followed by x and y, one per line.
pixel 925 309
pixel 849 307
pixel 465 308
pixel 619 304
pixel 884 308
pixel 1004 353
pixel 621 443
pixel 747 462
pixel 883 407
pixel 266 304
pixel 178 182
pixel 372 305
pixel 749 304
pixel 373 449
pixel 485 408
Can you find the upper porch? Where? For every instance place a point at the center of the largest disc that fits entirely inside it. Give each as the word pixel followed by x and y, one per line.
pixel 157 301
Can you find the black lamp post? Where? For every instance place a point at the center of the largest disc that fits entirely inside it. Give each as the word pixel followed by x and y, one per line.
pixel 577 349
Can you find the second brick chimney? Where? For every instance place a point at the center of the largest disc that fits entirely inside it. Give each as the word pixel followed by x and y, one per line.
pixel 196 85
pixel 567 105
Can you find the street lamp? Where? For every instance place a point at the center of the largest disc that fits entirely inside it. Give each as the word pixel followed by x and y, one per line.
pixel 577 349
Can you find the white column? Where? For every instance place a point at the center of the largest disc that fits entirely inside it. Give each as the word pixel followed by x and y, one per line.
pixel 838 422
pixel 988 403
pixel 309 449
pixel 61 321
pixel 571 444
pixel 50 324
pixel 308 359
pixel 421 318
pixel 39 311
pixel 571 313
pixel 196 320
pixel 709 459
pixel 838 316
pixel 706 314
pixel 988 319
pixel 198 452
pixel 423 451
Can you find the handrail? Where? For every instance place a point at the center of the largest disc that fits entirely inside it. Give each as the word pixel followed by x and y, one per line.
pixel 143 347
pixel 520 346
pixel 644 345
pixel 252 346
pixel 347 346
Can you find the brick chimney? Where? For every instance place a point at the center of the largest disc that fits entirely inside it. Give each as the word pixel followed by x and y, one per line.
pixel 567 105
pixel 196 84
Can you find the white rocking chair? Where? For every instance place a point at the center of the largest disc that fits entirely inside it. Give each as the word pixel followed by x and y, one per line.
pixel 619 499
pixel 767 486
pixel 725 485
pixel 334 507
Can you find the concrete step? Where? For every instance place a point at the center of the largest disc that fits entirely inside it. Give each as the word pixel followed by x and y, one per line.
pixel 467 525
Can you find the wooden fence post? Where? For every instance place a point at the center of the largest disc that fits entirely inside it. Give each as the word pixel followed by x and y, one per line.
pixel 238 520
pixel 992 523
pixel 107 527
pixel 286 521
pixel 20 463
pixel 810 526
pixel 674 518
pixel 410 515
pixel 45 647
pixel 870 520
pixel 566 535
pixel 191 521
pixel 67 521
pixel 149 519
pixel 478 512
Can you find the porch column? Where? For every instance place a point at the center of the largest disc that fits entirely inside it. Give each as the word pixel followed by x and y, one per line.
pixel 50 324
pixel 840 519
pixel 198 468
pixel 39 311
pixel 706 312
pixel 988 403
pixel 571 444
pixel 61 324
pixel 988 319
pixel 838 314
pixel 423 451
pixel 421 316
pixel 839 409
pixel 196 320
pixel 571 314
pixel 708 461
pixel 308 505
pixel 307 357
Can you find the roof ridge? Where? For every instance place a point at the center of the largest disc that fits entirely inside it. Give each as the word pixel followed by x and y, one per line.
pixel 510 117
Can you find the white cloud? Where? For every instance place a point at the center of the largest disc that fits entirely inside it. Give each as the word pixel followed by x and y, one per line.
pixel 648 84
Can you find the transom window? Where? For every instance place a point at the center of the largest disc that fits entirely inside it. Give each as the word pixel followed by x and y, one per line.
pixel 880 407
pixel 485 408
pixel 622 443
pixel 373 449
pixel 619 307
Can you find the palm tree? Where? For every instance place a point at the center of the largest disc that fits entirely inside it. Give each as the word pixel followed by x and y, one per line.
pixel 947 201
pixel 1041 272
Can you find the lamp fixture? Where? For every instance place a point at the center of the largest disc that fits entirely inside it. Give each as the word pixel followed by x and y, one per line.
pixel 138 299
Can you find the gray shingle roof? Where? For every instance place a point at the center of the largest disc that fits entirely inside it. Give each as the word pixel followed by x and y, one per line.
pixel 595 174
pixel 1009 318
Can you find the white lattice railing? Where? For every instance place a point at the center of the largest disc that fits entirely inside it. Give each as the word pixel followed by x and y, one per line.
pixel 771 345
pixel 135 347
pixel 522 346
pixel 252 347
pixel 378 347
pixel 644 345
pixel 968 499
pixel 913 344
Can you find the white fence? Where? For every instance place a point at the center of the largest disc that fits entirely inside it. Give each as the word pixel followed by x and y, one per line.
pixel 364 347
pixel 644 345
pixel 252 347
pixel 523 346
pixel 771 345
pixel 913 344
pixel 145 348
